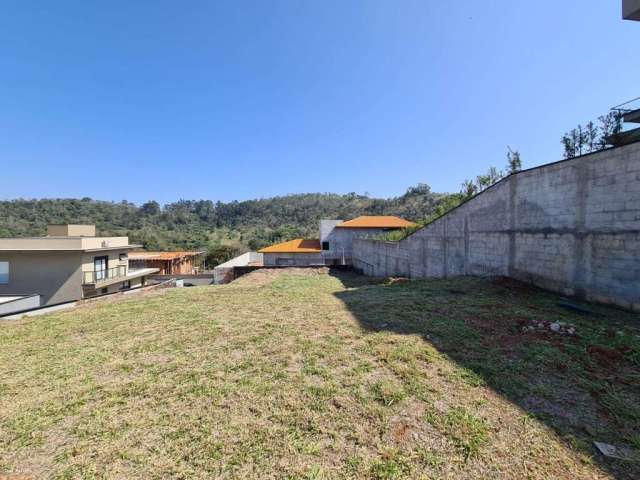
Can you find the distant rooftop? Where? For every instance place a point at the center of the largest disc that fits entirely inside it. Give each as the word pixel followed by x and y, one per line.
pixel 299 245
pixel 373 221
pixel 161 255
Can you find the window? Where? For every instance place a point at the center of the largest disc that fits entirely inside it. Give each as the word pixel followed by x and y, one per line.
pixel 104 291
pixel 325 245
pixel 100 265
pixel 285 262
pixel 126 285
pixel 4 273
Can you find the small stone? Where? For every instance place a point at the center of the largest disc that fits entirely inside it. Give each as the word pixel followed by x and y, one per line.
pixel 555 327
pixel 571 330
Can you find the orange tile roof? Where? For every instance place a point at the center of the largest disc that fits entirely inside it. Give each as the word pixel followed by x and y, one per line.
pixel 299 245
pixel 161 255
pixel 373 221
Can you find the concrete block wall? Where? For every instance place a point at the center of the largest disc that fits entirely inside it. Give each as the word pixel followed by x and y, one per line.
pixel 571 226
pixel 223 273
pixel 292 259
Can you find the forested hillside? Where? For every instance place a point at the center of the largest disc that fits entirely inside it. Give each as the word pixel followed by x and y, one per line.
pixel 220 228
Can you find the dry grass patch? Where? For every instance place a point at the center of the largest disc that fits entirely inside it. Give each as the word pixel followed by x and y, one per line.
pixel 308 375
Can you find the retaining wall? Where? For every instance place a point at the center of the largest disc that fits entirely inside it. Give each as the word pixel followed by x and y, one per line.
pixel 572 226
pixel 223 273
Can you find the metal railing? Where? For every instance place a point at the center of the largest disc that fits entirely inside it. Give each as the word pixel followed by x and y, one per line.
pixel 98 276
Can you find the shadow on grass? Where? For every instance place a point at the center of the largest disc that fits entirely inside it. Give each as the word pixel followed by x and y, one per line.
pixel 583 381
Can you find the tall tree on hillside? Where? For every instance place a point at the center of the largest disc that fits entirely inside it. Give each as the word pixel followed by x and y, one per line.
pixel 150 208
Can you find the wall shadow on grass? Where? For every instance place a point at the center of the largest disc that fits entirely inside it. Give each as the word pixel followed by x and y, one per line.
pixel 584 385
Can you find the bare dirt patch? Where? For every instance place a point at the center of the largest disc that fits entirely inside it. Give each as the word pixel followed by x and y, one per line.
pixel 268 275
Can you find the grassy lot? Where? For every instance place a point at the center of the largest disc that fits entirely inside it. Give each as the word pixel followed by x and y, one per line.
pixel 317 377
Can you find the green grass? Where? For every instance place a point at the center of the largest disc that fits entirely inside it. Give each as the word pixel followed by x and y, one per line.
pixel 468 432
pixel 295 375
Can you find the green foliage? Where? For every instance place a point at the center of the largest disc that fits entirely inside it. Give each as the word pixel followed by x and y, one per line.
pixel 591 138
pixel 514 163
pixel 444 203
pixel 217 254
pixel 468 432
pixel 442 206
pixel 222 229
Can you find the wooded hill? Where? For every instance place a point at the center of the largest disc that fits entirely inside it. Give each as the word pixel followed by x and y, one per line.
pixel 221 228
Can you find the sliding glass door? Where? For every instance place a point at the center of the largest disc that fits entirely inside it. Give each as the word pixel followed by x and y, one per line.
pixel 100 266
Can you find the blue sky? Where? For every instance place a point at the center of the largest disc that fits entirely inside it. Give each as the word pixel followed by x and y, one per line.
pixel 220 100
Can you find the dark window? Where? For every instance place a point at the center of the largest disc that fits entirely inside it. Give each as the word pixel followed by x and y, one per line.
pixel 325 245
pixel 285 262
pixel 104 290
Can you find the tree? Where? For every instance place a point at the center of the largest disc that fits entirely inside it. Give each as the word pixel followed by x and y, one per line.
pixel 482 182
pixel 610 124
pixel 469 189
pixel 151 208
pixel 514 164
pixel 592 136
pixel 217 254
pixel 569 146
pixel 575 139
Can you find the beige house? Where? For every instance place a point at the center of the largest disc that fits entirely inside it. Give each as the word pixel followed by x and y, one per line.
pixel 70 263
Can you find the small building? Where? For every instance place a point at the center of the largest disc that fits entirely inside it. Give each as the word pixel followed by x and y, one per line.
pixel 167 263
pixel 335 245
pixel 336 236
pixel 298 252
pixel 70 263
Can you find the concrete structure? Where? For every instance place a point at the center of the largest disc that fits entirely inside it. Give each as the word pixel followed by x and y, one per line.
pixel 12 303
pixel 299 252
pixel 572 226
pixel 335 245
pixel 67 230
pixel 223 273
pixel 167 263
pixel 62 268
pixel 337 236
pixel 631 9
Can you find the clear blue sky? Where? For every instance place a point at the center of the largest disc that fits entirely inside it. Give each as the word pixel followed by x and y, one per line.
pixel 220 100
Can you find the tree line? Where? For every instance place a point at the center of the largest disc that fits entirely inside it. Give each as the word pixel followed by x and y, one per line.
pixel 221 229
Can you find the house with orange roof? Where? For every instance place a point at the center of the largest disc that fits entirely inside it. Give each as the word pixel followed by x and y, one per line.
pixel 168 263
pixel 335 245
pixel 300 252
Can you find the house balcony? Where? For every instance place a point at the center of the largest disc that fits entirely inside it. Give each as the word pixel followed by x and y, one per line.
pixel 103 278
